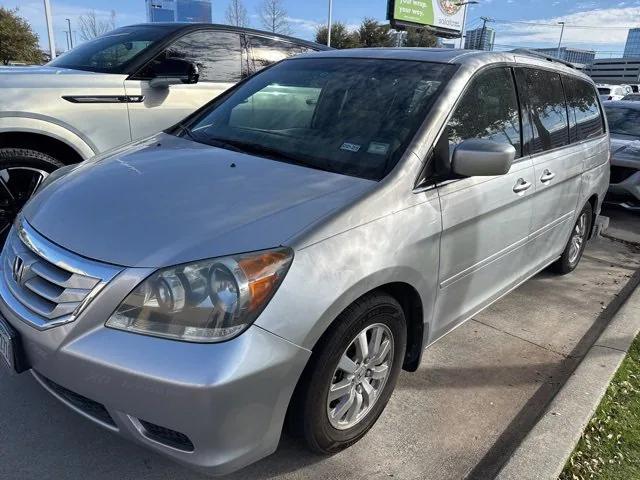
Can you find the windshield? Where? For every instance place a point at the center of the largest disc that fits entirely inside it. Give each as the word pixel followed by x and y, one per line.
pixel 350 116
pixel 111 52
pixel 623 120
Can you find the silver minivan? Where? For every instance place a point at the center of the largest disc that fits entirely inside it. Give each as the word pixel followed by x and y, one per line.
pixel 280 255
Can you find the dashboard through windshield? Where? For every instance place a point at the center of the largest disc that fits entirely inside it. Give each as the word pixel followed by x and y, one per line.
pixel 345 115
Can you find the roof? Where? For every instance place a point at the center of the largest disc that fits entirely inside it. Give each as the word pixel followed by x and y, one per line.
pixel 471 58
pixel 623 103
pixel 177 26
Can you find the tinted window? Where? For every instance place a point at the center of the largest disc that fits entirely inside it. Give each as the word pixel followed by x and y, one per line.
pixel 111 52
pixel 489 110
pixel 217 54
pixel 350 116
pixel 266 51
pixel 548 110
pixel 604 91
pixel 623 120
pixel 584 111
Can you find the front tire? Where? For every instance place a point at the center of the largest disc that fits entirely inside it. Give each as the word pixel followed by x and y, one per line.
pixel 572 254
pixel 351 375
pixel 21 173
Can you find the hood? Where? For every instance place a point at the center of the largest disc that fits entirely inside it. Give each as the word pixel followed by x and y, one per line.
pixel 54 77
pixel 40 70
pixel 169 200
pixel 625 151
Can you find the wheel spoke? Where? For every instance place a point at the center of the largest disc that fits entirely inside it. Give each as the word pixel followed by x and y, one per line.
pixel 7 191
pixel 347 365
pixel 362 346
pixel 340 389
pixel 368 392
pixel 382 354
pixel 379 372
pixel 344 406
pixel 376 340
pixel 356 406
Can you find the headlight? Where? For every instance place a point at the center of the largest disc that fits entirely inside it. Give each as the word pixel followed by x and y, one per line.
pixel 205 301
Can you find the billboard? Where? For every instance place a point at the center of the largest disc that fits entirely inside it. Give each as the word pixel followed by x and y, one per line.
pixel 444 16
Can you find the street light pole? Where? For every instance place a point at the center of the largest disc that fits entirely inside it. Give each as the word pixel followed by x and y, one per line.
pixel 330 21
pixel 464 18
pixel 52 43
pixel 561 35
pixel 70 37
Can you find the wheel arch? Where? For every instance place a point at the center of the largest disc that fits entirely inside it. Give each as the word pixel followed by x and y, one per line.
pixel 50 145
pixel 593 201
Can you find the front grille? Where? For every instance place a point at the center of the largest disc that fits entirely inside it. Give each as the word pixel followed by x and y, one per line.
pixel 620 174
pixel 49 286
pixel 167 436
pixel 93 409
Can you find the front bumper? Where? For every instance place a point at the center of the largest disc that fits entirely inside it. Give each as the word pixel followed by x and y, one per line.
pixel 624 189
pixel 215 407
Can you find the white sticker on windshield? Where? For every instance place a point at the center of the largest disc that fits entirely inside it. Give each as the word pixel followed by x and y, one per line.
pixel 378 148
pixel 350 147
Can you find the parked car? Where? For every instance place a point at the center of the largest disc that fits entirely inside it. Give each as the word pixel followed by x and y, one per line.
pixel 288 249
pixel 612 92
pixel 624 124
pixel 128 84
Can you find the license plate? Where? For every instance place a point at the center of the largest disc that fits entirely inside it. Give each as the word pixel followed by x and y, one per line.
pixel 10 353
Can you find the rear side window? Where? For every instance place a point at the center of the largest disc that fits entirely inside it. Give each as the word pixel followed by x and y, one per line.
pixel 218 54
pixel 584 111
pixel 548 110
pixel 488 110
pixel 604 91
pixel 266 51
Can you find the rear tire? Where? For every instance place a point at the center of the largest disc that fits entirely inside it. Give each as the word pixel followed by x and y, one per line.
pixel 365 330
pixel 572 254
pixel 21 173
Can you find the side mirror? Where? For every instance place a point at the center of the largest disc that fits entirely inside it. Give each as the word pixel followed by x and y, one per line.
pixel 482 158
pixel 174 71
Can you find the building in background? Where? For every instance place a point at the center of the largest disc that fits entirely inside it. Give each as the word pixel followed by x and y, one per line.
pixel 615 70
pixel 632 48
pixel 191 11
pixel 576 56
pixel 480 39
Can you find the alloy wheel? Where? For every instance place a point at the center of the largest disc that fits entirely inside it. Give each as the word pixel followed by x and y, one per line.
pixel 17 185
pixel 577 239
pixel 360 376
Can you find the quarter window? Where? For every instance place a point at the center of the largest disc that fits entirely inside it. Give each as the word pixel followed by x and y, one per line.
pixel 488 110
pixel 548 109
pixel 584 111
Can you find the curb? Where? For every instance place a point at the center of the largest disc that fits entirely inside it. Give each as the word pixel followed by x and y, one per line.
pixel 546 448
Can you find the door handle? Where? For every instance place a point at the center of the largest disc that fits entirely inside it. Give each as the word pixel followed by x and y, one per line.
pixel 522 186
pixel 547 176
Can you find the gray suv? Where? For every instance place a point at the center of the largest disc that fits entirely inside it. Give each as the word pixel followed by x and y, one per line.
pixel 286 250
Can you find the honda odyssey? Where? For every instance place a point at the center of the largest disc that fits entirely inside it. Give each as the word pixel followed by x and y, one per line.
pixel 284 252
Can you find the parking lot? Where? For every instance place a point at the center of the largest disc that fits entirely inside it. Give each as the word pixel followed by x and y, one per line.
pixel 474 397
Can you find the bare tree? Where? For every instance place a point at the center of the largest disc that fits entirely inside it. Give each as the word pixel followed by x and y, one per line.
pixel 91 26
pixel 237 14
pixel 274 18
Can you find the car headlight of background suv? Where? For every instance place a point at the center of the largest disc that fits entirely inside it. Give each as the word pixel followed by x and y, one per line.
pixel 205 301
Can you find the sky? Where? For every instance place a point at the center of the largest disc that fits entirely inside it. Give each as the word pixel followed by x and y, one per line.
pixel 600 25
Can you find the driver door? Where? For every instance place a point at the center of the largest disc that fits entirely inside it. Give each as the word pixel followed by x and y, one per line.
pixel 219 56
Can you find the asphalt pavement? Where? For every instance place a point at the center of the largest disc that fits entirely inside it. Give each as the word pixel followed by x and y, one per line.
pixel 473 399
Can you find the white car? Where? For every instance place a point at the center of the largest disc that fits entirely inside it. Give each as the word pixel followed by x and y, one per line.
pixel 128 84
pixel 613 92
